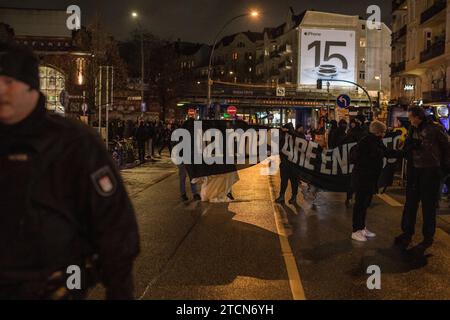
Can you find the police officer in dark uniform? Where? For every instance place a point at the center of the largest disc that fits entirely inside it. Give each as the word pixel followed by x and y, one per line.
pixel 64 211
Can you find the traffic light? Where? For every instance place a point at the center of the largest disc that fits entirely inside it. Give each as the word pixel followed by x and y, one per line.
pixel 319 84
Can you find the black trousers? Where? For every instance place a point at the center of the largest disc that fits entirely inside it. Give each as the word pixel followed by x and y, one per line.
pixel 287 174
pixel 165 145
pixel 363 198
pixel 141 150
pixel 350 193
pixel 422 186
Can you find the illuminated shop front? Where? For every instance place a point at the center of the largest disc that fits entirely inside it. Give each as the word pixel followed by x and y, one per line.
pixel 52 86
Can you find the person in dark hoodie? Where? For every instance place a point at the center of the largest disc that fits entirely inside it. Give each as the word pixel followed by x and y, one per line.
pixel 427 149
pixel 287 171
pixel 367 157
pixel 332 134
pixel 141 136
pixel 341 132
pixel 355 134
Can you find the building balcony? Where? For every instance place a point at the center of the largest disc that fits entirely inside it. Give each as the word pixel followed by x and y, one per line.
pixel 435 50
pixel 398 67
pixel 398 5
pixel 434 96
pixel 396 36
pixel 429 13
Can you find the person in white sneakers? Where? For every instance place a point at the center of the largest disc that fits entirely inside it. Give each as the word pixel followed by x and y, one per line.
pixel 367 157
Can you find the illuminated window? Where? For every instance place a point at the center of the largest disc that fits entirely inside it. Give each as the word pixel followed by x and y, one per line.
pixel 81 69
pixel 52 86
pixel 235 56
pixel 362 42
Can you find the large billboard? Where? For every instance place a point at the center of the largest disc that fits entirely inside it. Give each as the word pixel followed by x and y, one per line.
pixel 327 54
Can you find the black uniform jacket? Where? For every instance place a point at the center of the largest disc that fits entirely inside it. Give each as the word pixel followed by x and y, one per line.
pixel 62 200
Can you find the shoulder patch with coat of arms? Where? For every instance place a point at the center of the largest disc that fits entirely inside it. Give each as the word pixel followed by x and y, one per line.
pixel 105 182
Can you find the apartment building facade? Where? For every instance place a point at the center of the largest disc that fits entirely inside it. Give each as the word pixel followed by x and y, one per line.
pixel 420 67
pixel 293 54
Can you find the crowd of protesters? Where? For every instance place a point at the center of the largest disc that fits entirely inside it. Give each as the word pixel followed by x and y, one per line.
pixel 426 147
pixel 148 138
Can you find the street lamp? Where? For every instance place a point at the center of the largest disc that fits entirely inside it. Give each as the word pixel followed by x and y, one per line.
pixel 135 16
pixel 253 14
pixel 379 90
pixel 379 79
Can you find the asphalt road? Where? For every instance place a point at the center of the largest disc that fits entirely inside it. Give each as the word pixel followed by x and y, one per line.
pixel 253 249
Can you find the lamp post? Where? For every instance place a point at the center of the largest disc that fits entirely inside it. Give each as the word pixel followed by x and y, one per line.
pixel 379 90
pixel 135 16
pixel 253 14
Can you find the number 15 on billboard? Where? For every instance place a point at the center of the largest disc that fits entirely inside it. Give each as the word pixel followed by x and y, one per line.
pixel 327 54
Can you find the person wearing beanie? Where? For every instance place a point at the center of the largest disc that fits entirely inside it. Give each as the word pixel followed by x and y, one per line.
pixel 19 69
pixel 66 221
pixel 367 157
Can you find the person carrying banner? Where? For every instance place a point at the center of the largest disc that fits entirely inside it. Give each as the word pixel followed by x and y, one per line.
pixel 182 175
pixel 367 157
pixel 332 135
pixel 356 132
pixel 287 172
pixel 428 152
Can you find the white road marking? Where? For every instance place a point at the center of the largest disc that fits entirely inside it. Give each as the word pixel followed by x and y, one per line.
pixel 295 281
pixel 389 200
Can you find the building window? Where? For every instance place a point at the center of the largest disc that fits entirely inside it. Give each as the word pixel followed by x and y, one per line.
pixel 363 26
pixel 428 37
pixel 235 56
pixel 362 42
pixel 362 75
pixel 81 69
pixel 52 85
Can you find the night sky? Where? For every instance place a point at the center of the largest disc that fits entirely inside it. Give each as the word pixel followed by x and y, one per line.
pixel 197 20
